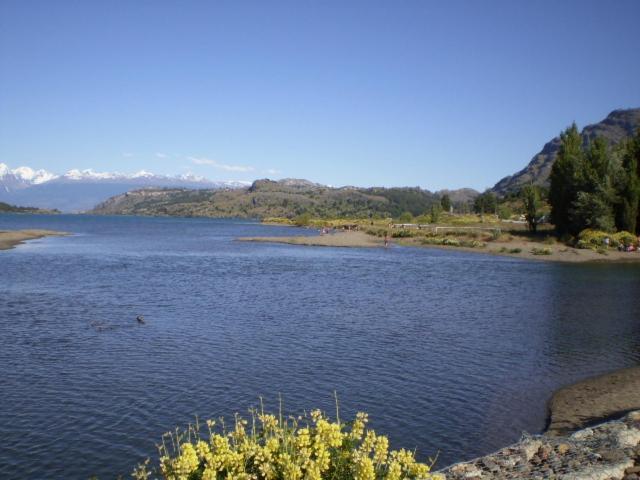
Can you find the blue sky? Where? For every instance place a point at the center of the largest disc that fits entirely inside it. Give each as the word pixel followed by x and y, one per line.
pixel 421 93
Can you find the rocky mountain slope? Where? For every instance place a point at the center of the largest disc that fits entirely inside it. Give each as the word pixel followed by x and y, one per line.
pixel 618 125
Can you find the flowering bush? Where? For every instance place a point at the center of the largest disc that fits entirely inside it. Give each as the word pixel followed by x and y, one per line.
pixel 596 239
pixel 305 448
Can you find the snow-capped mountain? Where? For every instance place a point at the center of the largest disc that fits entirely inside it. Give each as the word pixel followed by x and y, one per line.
pixel 79 190
pixel 22 177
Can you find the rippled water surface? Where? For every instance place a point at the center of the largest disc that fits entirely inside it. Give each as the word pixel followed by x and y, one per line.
pixel 447 351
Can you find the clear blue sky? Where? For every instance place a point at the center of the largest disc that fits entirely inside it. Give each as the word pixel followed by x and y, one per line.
pixel 435 94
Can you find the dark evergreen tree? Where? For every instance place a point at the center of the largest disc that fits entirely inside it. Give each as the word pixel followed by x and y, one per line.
pixel 593 206
pixel 628 207
pixel 563 188
pixel 485 203
pixel 445 203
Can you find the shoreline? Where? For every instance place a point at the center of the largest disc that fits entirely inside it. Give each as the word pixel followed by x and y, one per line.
pixel 593 432
pixel 11 238
pixel 594 400
pixel 558 252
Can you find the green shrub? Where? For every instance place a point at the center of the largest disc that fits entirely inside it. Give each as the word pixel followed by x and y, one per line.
pixel 471 244
pixel 594 239
pixel 406 217
pixel 504 212
pixel 626 238
pixel 548 240
pixel 403 234
pixel 515 250
pixel 302 220
pixel 541 251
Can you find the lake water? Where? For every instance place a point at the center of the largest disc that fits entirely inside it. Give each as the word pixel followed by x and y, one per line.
pixel 447 351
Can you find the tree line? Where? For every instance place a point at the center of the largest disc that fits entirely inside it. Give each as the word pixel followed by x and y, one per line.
pixel 594 185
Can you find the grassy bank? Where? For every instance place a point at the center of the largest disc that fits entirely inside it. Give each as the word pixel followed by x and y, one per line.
pixel 474 233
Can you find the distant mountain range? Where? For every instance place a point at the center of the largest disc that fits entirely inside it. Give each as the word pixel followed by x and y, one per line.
pixel 80 190
pixel 619 125
pixel 268 198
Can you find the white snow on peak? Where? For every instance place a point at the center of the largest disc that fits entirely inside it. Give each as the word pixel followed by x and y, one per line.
pixel 32 176
pixel 142 174
pixel 27 176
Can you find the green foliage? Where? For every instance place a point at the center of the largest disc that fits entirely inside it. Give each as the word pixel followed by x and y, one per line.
pixel 594 239
pixel 504 212
pixel 400 200
pixel 403 234
pixel 486 202
pixel 451 242
pixel 445 203
pixel 628 207
pixel 405 217
pixel 541 251
pixel 563 178
pixel 594 187
pixel 591 210
pixel 531 200
pixel 302 220
pixel 435 213
pixel 6 208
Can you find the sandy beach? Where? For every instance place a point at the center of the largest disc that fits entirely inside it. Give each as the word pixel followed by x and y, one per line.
pixel 340 239
pixel 558 251
pixel 11 238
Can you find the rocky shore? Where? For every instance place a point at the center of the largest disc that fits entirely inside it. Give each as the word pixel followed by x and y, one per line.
pixel 11 238
pixel 608 451
pixel 579 444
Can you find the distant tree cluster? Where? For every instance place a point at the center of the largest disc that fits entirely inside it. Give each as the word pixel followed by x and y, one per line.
pixel 594 186
pixel 486 202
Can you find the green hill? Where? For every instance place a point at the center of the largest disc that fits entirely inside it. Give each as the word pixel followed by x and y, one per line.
pixel 267 198
pixel 6 208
